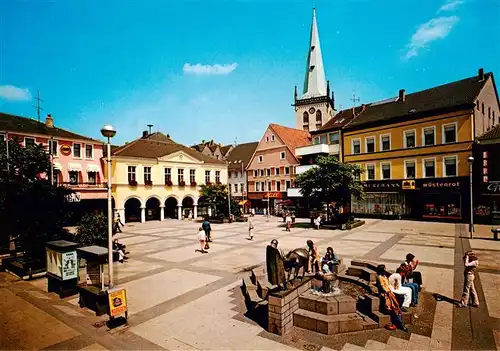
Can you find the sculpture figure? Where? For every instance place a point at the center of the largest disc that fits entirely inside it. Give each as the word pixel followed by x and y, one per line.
pixel 278 264
pixel 301 257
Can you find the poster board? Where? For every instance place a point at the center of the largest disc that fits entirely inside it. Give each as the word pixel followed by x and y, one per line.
pixel 69 265
pixel 117 299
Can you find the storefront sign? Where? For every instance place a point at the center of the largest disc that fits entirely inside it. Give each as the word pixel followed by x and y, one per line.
pixel 442 184
pixel 492 187
pixel 65 150
pixel 265 195
pixel 117 300
pixel 69 265
pixel 408 184
pixel 74 197
pixel 383 185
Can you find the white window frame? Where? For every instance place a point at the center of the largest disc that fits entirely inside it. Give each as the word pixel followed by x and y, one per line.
pixel 423 167
pixel 405 146
pixel 260 158
pixel 267 139
pixel 85 151
pixel 442 132
pixel 285 172
pixel 73 151
pixel 423 135
pixel 382 144
pixel 34 140
pixel 382 170
pixel 374 143
pixel 277 171
pixel 255 173
pixel 352 146
pixel 444 166
pixel 374 171
pixel 408 161
pixel 329 138
pixel 282 155
pixel 272 137
pixel 257 186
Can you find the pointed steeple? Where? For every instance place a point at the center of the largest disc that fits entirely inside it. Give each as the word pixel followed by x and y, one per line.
pixel 315 81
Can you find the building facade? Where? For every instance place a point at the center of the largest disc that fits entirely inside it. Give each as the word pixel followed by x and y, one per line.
pixel 238 160
pixel 213 149
pixel 76 160
pixel 154 180
pixel 415 149
pixel 271 169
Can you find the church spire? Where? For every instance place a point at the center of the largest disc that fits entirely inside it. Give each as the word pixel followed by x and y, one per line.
pixel 315 81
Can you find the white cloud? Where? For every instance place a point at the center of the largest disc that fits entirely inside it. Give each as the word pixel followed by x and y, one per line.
pixel 209 69
pixel 10 92
pixel 451 5
pixel 436 28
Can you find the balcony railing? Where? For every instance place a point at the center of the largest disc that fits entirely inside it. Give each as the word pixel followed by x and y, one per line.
pixel 317 149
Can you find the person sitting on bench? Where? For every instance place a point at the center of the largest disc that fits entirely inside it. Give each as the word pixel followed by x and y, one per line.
pixel 391 303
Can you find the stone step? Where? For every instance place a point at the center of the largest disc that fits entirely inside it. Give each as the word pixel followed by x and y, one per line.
pixel 327 305
pixel 368 323
pixel 359 281
pixel 364 263
pixel 381 318
pixel 259 272
pixel 368 303
pixel 374 345
pixel 340 268
pixel 327 324
pixel 364 273
pixel 262 288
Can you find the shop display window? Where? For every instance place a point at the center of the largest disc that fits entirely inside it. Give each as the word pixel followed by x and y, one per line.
pixel 381 204
pixel 442 206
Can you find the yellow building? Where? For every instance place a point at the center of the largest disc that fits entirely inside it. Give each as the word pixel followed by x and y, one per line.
pixel 155 178
pixel 415 149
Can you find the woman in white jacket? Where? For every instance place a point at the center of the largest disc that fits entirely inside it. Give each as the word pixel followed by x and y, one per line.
pixel 398 288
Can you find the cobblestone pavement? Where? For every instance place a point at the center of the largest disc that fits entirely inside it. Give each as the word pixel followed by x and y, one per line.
pixel 180 299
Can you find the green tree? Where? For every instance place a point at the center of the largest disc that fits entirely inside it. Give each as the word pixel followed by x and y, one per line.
pixel 32 211
pixel 331 181
pixel 93 230
pixel 215 195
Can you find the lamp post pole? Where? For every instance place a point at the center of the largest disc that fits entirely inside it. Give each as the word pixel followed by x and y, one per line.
pixel 471 224
pixel 108 132
pixel 268 179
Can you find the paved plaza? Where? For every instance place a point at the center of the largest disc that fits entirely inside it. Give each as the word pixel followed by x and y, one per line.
pixel 180 299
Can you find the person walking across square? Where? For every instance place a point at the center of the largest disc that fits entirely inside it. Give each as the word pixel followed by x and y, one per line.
pixel 250 229
pixel 470 264
pixel 207 228
pixel 202 237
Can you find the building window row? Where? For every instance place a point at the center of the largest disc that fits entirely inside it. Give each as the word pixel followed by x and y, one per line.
pixel 449 135
pixel 147 171
pixel 449 169
pixel 242 188
pixel 235 174
pixel 330 138
pixel 271 186
pixel 53 147
pixel 267 172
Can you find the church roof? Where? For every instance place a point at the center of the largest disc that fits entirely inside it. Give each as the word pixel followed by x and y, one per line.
pixel 315 81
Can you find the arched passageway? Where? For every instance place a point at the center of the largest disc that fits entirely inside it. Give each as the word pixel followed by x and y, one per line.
pixel 171 207
pixel 153 209
pixel 203 207
pixel 132 210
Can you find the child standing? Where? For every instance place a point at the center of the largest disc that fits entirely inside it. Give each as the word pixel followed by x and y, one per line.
pixel 202 237
pixel 288 221
pixel 250 229
pixel 470 264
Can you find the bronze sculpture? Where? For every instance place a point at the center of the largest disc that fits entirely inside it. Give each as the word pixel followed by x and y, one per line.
pixel 277 264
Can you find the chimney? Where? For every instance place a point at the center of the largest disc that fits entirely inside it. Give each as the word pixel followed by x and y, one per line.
pixel 402 95
pixel 145 134
pixel 49 121
pixel 363 107
pixel 150 126
pixel 480 74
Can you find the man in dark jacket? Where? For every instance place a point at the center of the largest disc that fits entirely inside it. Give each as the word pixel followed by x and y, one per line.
pixel 207 228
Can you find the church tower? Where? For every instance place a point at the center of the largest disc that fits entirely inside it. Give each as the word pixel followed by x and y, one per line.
pixel 315 106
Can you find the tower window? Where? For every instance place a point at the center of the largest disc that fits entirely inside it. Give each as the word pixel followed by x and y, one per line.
pixel 311 68
pixel 318 116
pixel 305 117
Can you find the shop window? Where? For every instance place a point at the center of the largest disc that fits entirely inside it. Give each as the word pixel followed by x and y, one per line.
pixel 450 166
pixel 92 177
pixel 356 146
pixel 381 204
pixel 370 144
pixel 73 177
pixel 409 139
pixel 370 172
pixel 334 138
pixel 429 136
pixel 449 133
pixel 410 169
pixel 385 141
pixel 442 205
pixel 429 168
pixel 386 170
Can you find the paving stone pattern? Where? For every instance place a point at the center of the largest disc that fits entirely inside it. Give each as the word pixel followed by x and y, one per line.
pixel 185 300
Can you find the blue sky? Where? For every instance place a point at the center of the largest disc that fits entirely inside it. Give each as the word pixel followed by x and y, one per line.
pixel 133 63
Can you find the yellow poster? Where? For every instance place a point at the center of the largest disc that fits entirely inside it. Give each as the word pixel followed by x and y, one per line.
pixel 117 302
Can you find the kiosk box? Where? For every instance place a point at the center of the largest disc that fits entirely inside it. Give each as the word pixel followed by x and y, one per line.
pixel 62 267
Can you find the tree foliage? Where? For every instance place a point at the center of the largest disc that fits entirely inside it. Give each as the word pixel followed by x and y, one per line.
pixel 331 181
pixel 93 230
pixel 31 209
pixel 215 195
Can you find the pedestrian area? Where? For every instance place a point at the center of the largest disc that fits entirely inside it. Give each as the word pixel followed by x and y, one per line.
pixel 180 299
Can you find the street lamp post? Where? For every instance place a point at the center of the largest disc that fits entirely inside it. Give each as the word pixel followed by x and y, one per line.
pixel 471 224
pixel 108 132
pixel 268 180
